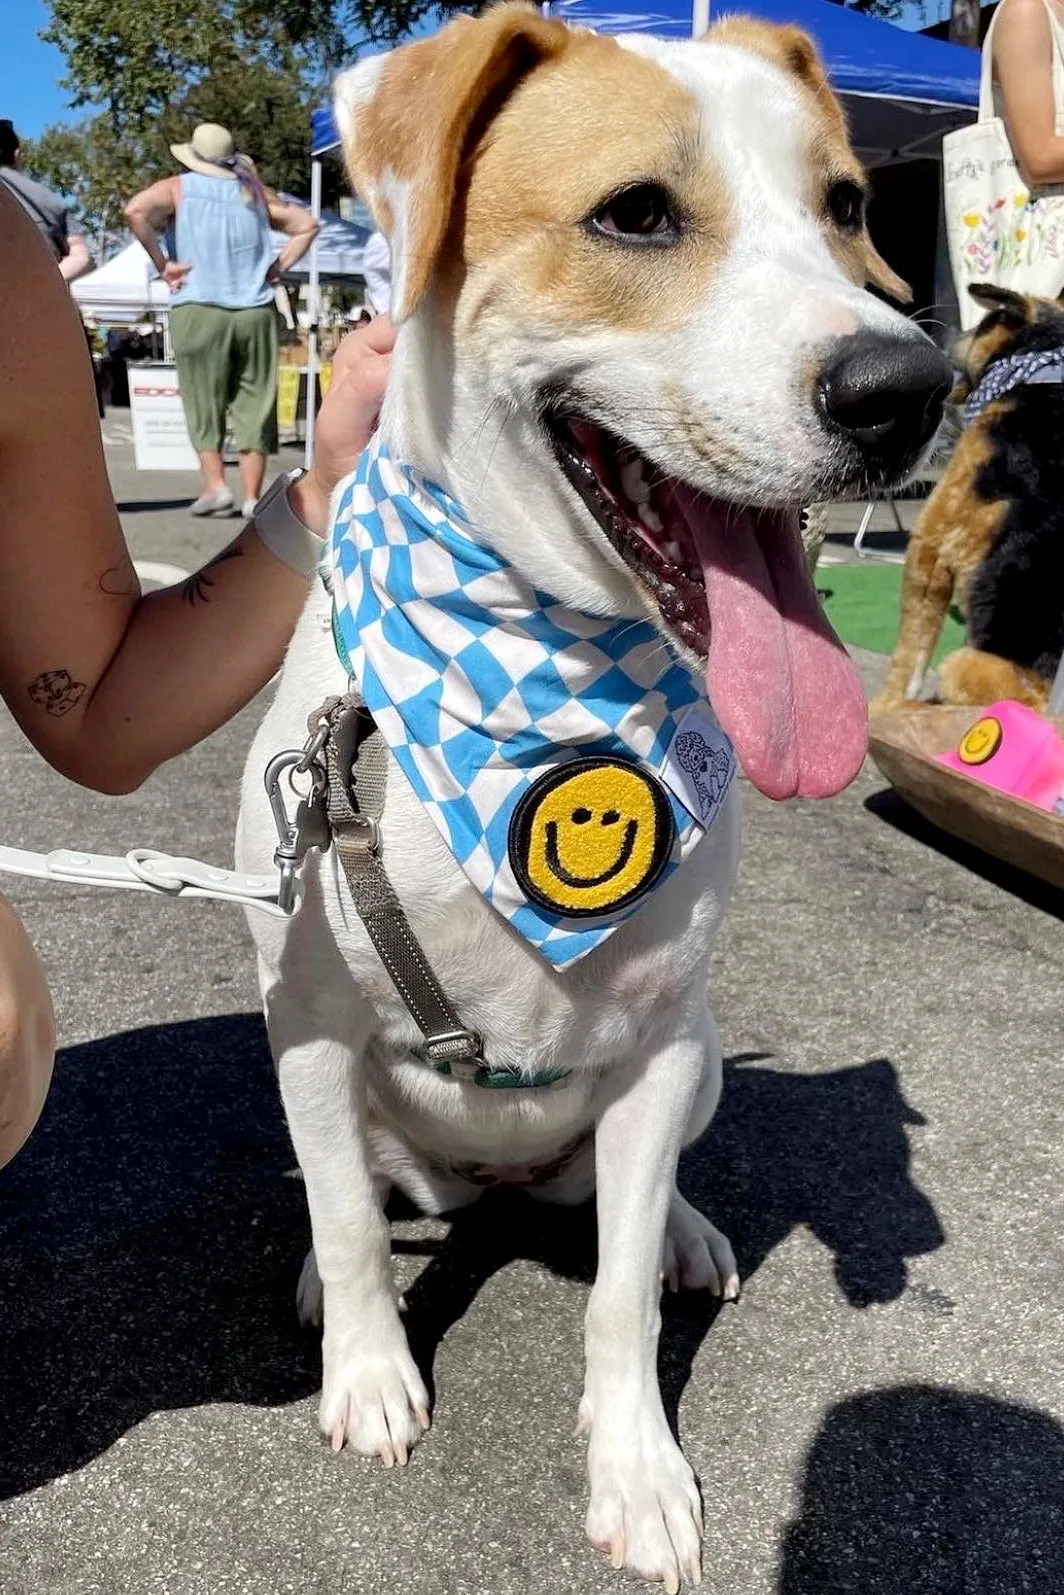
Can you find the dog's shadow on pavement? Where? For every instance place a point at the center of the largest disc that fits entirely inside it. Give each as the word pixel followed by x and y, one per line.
pixel 827 1151
pixel 150 1237
pixel 924 1491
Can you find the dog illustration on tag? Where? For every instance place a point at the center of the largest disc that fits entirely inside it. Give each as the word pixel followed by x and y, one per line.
pixel 709 769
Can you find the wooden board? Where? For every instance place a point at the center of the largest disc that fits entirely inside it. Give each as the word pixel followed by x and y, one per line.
pixel 903 743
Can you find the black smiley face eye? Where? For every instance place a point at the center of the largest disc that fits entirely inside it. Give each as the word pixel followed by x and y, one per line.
pixel 846 205
pixel 610 817
pixel 580 816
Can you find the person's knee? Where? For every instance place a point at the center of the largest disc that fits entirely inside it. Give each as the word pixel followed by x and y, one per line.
pixel 27 1035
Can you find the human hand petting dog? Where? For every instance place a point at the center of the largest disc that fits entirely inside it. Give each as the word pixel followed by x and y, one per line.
pixel 348 417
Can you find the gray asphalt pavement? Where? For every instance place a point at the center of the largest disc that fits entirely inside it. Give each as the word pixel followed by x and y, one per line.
pixel 880 1415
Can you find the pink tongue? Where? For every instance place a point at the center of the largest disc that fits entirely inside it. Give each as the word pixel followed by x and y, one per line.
pixel 782 684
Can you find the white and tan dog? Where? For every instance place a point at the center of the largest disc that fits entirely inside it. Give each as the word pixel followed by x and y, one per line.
pixel 634 331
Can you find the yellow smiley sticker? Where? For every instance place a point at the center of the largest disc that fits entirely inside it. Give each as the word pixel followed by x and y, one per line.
pixel 591 836
pixel 981 741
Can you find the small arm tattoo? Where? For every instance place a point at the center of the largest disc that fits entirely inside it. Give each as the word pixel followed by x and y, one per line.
pixel 56 691
pixel 195 588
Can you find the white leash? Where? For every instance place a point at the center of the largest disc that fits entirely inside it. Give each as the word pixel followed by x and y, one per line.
pixel 145 869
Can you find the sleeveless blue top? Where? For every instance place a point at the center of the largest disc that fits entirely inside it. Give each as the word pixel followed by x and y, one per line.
pixel 227 242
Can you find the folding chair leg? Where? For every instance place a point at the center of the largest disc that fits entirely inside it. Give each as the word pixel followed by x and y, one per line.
pixel 866 521
pixel 897 518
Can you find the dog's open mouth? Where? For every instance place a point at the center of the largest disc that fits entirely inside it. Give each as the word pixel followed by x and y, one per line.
pixel 733 584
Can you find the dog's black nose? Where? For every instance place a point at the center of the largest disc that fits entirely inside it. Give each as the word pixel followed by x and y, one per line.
pixel 885 394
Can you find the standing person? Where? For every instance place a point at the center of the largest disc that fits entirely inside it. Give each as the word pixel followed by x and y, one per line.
pixel 1028 61
pixel 223 321
pixel 105 681
pixel 45 209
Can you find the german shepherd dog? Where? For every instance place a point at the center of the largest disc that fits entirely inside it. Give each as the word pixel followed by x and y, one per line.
pixel 991 537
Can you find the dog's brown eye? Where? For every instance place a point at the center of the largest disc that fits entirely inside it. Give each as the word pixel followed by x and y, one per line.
pixel 639 212
pixel 846 203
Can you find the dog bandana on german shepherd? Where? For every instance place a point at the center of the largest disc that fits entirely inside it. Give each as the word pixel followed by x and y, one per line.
pixel 569 762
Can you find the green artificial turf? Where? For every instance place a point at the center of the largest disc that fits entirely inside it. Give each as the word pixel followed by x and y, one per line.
pixel 863 603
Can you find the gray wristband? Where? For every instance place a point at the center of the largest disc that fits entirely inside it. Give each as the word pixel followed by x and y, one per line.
pixel 283 533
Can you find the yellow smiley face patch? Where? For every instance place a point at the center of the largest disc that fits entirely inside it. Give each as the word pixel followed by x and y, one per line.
pixel 981 741
pixel 591 836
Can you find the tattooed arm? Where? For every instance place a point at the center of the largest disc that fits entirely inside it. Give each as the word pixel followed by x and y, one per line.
pixel 107 682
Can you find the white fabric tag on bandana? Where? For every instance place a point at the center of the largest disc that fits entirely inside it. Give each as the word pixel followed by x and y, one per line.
pixel 699 763
pixel 569 761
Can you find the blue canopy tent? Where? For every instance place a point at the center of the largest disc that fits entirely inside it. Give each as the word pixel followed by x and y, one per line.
pixel 902 91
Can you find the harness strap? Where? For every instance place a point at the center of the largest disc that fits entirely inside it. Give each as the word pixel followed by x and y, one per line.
pixel 356 762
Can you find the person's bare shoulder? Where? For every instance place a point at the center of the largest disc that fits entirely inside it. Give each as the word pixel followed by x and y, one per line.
pixel 1022 24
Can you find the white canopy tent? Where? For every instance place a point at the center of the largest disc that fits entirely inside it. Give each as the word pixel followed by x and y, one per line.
pixel 124 290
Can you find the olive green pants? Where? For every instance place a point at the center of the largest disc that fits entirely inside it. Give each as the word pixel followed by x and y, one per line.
pixel 227 364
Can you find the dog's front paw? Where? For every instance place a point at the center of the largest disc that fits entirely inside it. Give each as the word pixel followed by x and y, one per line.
pixel 645 1511
pixel 373 1399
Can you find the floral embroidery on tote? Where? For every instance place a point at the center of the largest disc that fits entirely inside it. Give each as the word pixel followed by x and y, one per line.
pixel 999 238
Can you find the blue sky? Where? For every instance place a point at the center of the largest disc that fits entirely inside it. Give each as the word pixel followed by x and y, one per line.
pixel 30 71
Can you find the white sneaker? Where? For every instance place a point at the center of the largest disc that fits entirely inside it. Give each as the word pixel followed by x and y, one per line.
pixel 247 509
pixel 219 503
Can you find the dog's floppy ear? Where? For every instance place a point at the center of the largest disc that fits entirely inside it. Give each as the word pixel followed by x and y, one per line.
pixel 406 119
pixel 883 277
pixel 1012 308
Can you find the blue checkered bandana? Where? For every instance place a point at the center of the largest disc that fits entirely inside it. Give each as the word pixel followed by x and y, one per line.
pixel 483 687
pixel 1015 371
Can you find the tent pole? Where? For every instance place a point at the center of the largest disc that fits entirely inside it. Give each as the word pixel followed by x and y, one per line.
pixel 312 312
pixel 699 18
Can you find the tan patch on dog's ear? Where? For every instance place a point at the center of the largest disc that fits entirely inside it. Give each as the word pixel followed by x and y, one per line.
pixel 883 276
pixel 406 124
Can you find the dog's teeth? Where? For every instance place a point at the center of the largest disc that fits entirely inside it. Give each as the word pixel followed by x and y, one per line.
pixel 651 519
pixel 673 551
pixel 633 481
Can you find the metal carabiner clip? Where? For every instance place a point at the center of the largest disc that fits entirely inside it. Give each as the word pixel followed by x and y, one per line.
pixel 309 828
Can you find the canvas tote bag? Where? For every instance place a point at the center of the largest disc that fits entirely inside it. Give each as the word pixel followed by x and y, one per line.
pixel 997 230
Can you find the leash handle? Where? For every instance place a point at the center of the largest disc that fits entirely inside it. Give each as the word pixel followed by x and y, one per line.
pixel 145 869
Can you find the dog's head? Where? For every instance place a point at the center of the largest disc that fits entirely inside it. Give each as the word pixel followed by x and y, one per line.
pixel 638 334
pixel 1014 324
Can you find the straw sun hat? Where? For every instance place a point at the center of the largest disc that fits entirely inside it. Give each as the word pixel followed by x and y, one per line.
pixel 210 151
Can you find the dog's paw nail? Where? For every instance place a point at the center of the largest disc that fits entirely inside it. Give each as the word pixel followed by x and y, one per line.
pixel 402 1455
pixel 672 1582
pixel 337 1437
pixel 693 1572
pixel 422 1417
pixel 387 1456
pixel 617 1551
pixel 583 1423
pixel 732 1288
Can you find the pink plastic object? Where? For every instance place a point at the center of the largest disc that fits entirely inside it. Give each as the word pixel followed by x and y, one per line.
pixel 1012 748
